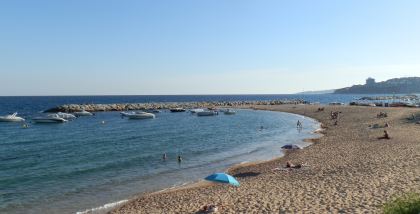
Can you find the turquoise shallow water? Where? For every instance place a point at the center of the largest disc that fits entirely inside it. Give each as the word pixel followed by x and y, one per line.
pixel 83 164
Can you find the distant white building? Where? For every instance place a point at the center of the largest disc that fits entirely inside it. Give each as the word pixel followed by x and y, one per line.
pixel 370 81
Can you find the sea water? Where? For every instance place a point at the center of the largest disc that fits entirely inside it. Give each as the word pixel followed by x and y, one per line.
pixel 105 159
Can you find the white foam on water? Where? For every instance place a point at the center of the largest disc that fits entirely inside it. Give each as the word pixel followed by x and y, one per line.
pixel 104 208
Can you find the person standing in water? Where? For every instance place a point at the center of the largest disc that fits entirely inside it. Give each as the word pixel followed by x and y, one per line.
pixel 299 124
pixel 179 159
pixel 164 157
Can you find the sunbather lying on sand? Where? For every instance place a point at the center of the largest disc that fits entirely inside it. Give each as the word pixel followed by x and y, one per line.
pixel 297 166
pixel 211 208
pixel 289 166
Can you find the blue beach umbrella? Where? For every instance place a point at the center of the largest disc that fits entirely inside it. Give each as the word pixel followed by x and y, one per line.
pixel 222 178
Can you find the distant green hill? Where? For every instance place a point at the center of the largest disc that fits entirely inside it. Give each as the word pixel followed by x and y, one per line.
pixel 397 85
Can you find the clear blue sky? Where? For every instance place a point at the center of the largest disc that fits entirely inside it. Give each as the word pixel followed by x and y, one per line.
pixel 79 47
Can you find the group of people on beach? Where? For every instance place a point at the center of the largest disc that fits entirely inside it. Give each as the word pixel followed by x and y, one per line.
pixel 386 134
pixel 335 115
pixel 382 115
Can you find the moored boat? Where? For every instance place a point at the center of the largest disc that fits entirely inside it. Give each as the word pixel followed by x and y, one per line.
pixel 207 113
pixel 11 118
pixel 82 113
pixel 66 116
pixel 138 115
pixel 152 111
pixel 229 112
pixel 196 110
pixel 50 118
pixel 177 110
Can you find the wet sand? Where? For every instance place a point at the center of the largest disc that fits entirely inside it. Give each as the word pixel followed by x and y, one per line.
pixel 350 170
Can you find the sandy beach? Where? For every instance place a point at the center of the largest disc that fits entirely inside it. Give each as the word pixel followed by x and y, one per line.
pixel 350 170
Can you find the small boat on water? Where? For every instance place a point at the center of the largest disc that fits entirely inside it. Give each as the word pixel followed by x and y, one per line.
pixel 11 118
pixel 138 115
pixel 196 110
pixel 152 111
pixel 124 114
pixel 82 113
pixel 229 112
pixel 66 116
pixel 177 110
pixel 207 113
pixel 50 118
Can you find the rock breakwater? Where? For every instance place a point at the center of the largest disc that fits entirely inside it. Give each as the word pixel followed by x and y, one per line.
pixel 164 105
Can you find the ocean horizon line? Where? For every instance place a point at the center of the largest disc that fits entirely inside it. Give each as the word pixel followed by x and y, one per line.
pixel 107 95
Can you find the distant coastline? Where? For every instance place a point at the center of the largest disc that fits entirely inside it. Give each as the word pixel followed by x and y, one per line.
pixel 407 85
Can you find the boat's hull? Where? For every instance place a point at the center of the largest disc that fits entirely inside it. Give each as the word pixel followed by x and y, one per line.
pixel 134 115
pixel 82 113
pixel 48 120
pixel 207 113
pixel 177 110
pixel 3 119
pixel 140 117
pixel 193 111
pixel 230 112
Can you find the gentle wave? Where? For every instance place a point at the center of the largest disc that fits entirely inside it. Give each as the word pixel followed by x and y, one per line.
pixel 103 208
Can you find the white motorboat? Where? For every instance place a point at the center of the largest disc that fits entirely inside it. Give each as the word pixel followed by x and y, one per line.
pixel 11 118
pixel 66 116
pixel 196 110
pixel 229 112
pixel 207 113
pixel 50 118
pixel 138 115
pixel 124 114
pixel 82 113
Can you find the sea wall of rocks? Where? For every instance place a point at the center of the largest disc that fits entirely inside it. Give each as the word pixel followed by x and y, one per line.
pixel 164 105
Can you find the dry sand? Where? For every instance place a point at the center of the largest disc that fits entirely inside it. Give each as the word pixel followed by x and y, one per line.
pixel 350 171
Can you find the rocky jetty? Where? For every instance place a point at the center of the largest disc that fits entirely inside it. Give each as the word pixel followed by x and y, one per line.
pixel 164 105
